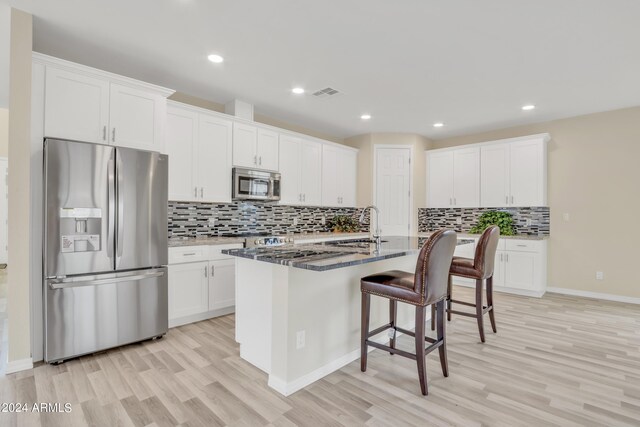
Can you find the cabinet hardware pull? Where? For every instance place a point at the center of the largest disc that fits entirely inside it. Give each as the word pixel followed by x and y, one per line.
pixel 255 160
pixel 506 257
pixel 195 192
pixel 104 133
pixel 522 246
pixel 506 200
pixel 113 135
pixel 206 272
pixel 304 197
pixel 260 160
pixel 213 271
pixel 189 254
pixel 511 199
pixel 501 257
pixel 202 192
pixel 455 202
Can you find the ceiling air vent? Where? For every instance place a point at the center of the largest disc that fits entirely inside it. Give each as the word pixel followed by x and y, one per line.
pixel 326 92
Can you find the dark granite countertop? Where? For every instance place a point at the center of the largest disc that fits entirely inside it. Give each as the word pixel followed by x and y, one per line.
pixel 475 236
pixel 332 255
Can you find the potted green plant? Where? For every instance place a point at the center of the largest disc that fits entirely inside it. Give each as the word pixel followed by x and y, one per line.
pixel 504 220
pixel 343 224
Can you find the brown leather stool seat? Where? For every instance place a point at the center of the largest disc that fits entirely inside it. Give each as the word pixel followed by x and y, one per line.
pixel 480 268
pixel 426 286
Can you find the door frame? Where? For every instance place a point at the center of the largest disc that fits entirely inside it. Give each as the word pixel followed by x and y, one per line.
pixel 5 160
pixel 376 148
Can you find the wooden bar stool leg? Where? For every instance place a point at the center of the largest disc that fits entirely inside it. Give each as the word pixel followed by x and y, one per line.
pixel 442 336
pixel 364 330
pixel 492 317
pixel 449 290
pixel 479 308
pixel 433 317
pixel 420 343
pixel 393 309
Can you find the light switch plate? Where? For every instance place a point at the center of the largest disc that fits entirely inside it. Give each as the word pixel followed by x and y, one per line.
pixel 599 275
pixel 300 340
pixel 565 216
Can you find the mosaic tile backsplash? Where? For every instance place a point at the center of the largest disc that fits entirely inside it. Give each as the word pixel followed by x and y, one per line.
pixel 529 220
pixel 192 219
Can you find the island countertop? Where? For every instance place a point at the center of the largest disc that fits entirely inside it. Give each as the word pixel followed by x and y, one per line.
pixel 336 254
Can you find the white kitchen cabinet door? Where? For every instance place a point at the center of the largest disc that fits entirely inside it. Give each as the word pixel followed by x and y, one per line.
pixel 527 173
pixel 466 177
pixel 267 149
pixel 440 179
pixel 289 160
pixel 310 164
pixel 494 176
pixel 181 146
pixel 214 161
pixel 521 270
pixel 222 284
pixel 330 176
pixel 76 106
pixel 136 118
pixel 498 269
pixel 245 138
pixel 347 177
pixel 188 289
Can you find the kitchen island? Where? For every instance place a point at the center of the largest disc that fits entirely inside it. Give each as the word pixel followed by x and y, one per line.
pixel 298 306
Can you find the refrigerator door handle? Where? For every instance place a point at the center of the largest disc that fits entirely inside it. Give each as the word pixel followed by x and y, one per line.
pixel 75 283
pixel 111 212
pixel 120 207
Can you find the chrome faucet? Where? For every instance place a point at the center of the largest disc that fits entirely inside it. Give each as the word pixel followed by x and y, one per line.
pixel 377 232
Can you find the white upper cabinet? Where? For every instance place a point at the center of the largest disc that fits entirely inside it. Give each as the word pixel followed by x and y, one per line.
pixel 453 178
pixel 466 177
pixel 267 149
pixel 300 163
pixel 200 151
pixel 214 158
pixel 89 105
pixel 339 174
pixel 181 145
pixel 137 118
pixel 514 173
pixel 76 106
pixel 494 176
pixel 245 139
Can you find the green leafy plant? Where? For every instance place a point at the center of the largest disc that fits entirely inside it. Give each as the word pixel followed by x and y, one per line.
pixel 344 224
pixel 504 220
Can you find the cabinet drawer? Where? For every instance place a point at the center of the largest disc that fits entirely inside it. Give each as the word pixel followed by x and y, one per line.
pixel 523 245
pixel 188 254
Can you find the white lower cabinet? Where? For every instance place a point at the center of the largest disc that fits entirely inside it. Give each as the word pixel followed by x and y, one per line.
pixel 520 266
pixel 202 283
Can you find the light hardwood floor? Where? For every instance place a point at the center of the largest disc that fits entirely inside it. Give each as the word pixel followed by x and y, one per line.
pixel 554 361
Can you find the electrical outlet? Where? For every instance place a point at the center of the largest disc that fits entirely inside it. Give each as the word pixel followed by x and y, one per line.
pixel 599 275
pixel 295 221
pixel 528 222
pixel 211 221
pixel 300 339
pixel 458 220
pixel 565 216
pixel 323 220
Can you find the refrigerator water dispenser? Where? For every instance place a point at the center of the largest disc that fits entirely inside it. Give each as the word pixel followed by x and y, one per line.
pixel 80 229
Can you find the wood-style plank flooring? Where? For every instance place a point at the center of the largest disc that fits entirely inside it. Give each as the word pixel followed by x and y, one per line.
pixel 555 361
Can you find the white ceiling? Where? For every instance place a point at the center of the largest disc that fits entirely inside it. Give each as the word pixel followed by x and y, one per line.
pixel 471 64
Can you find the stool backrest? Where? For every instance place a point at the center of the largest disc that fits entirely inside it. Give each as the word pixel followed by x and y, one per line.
pixel 486 251
pixel 432 268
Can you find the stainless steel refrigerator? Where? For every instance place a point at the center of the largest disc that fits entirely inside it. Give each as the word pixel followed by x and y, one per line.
pixel 105 247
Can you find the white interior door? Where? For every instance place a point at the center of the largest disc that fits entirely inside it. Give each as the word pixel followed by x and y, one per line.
pixel 4 210
pixel 392 195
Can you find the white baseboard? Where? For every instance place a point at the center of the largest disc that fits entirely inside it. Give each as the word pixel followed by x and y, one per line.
pixel 594 295
pixel 288 388
pixel 179 321
pixel 513 291
pixel 18 365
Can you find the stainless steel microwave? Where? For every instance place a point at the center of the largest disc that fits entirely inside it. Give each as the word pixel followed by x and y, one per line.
pixel 251 184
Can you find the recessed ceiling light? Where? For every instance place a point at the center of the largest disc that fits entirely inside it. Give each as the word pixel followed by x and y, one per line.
pixel 215 58
pixel 297 90
pixel 438 125
pixel 365 116
pixel 528 107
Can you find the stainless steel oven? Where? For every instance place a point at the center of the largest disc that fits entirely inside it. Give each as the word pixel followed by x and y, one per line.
pixel 250 184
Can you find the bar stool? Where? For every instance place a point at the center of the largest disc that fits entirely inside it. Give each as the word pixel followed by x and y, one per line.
pixel 427 286
pixel 481 269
